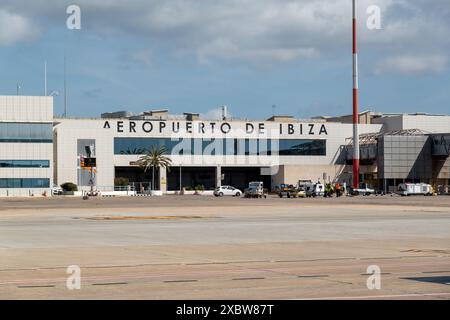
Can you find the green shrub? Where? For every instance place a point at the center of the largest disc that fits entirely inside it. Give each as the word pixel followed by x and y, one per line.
pixel 69 186
pixel 121 181
pixel 200 187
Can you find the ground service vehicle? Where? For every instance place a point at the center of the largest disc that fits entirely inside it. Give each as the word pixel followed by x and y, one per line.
pixel 288 190
pixel 301 193
pixel 255 190
pixel 409 189
pixel 301 186
pixel 364 189
pixel 315 190
pixel 227 191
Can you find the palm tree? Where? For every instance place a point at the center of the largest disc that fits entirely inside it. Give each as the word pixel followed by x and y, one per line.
pixel 155 158
pixel 133 151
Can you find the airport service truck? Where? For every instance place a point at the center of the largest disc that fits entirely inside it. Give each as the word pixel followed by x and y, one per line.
pixel 314 190
pixel 288 191
pixel 409 189
pixel 255 190
pixel 364 189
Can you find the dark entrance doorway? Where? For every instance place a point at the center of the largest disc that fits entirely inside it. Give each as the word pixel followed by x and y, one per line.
pixel 191 177
pixel 239 177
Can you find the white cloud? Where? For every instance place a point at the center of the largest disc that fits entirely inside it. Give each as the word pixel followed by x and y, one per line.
pixel 215 114
pixel 14 28
pixel 410 64
pixel 259 32
pixel 228 51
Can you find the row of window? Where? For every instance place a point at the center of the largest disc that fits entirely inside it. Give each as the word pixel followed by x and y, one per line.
pixel 24 183
pixel 282 147
pixel 26 132
pixel 24 163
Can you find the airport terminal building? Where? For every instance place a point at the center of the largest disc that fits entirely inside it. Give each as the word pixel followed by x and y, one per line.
pixel 39 150
pixel 26 145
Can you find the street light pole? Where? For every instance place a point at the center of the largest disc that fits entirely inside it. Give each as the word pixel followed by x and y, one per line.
pixel 356 163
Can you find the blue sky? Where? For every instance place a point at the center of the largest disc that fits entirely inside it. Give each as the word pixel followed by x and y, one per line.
pixel 249 55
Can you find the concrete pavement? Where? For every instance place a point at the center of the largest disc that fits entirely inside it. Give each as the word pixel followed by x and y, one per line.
pixel 207 248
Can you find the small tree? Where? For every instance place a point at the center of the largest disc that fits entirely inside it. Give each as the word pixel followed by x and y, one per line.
pixel 69 186
pixel 155 158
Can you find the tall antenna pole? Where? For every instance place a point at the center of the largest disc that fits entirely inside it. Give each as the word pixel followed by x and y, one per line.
pixel 65 86
pixel 45 78
pixel 355 102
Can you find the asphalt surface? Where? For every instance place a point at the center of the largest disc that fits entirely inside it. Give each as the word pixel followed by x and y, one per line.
pixel 196 247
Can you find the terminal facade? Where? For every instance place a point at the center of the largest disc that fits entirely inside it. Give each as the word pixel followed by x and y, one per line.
pixel 39 150
pixel 26 145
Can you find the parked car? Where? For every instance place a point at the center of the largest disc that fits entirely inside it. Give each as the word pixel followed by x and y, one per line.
pixel 227 191
pixel 57 190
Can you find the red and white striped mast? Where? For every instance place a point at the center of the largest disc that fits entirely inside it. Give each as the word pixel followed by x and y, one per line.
pixel 355 103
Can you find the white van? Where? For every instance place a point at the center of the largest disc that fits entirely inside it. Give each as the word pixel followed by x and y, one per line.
pixel 315 190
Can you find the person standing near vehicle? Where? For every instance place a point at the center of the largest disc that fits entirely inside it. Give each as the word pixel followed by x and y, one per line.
pixel 337 187
pixel 328 190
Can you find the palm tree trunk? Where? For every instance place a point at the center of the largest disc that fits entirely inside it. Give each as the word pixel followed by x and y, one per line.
pixel 153 178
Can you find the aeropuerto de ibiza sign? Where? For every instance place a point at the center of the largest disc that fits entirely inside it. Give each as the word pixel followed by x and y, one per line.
pixel 212 127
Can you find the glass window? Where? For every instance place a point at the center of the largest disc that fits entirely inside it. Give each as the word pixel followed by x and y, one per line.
pixel 15 183
pixel 27 183
pixel 14 130
pixel 229 147
pixel 283 147
pixel 24 183
pixel 240 147
pixel 40 163
pixel 39 183
pixel 24 163
pixel 264 147
pixel 3 131
pixel 214 147
pixel 5 163
pixel 26 132
pixel 138 145
pixel 208 146
pixel 296 147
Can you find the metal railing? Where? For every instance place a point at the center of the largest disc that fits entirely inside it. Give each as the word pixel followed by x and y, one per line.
pixel 115 188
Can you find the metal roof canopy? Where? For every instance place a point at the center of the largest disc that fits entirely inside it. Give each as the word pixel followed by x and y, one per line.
pixel 372 138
